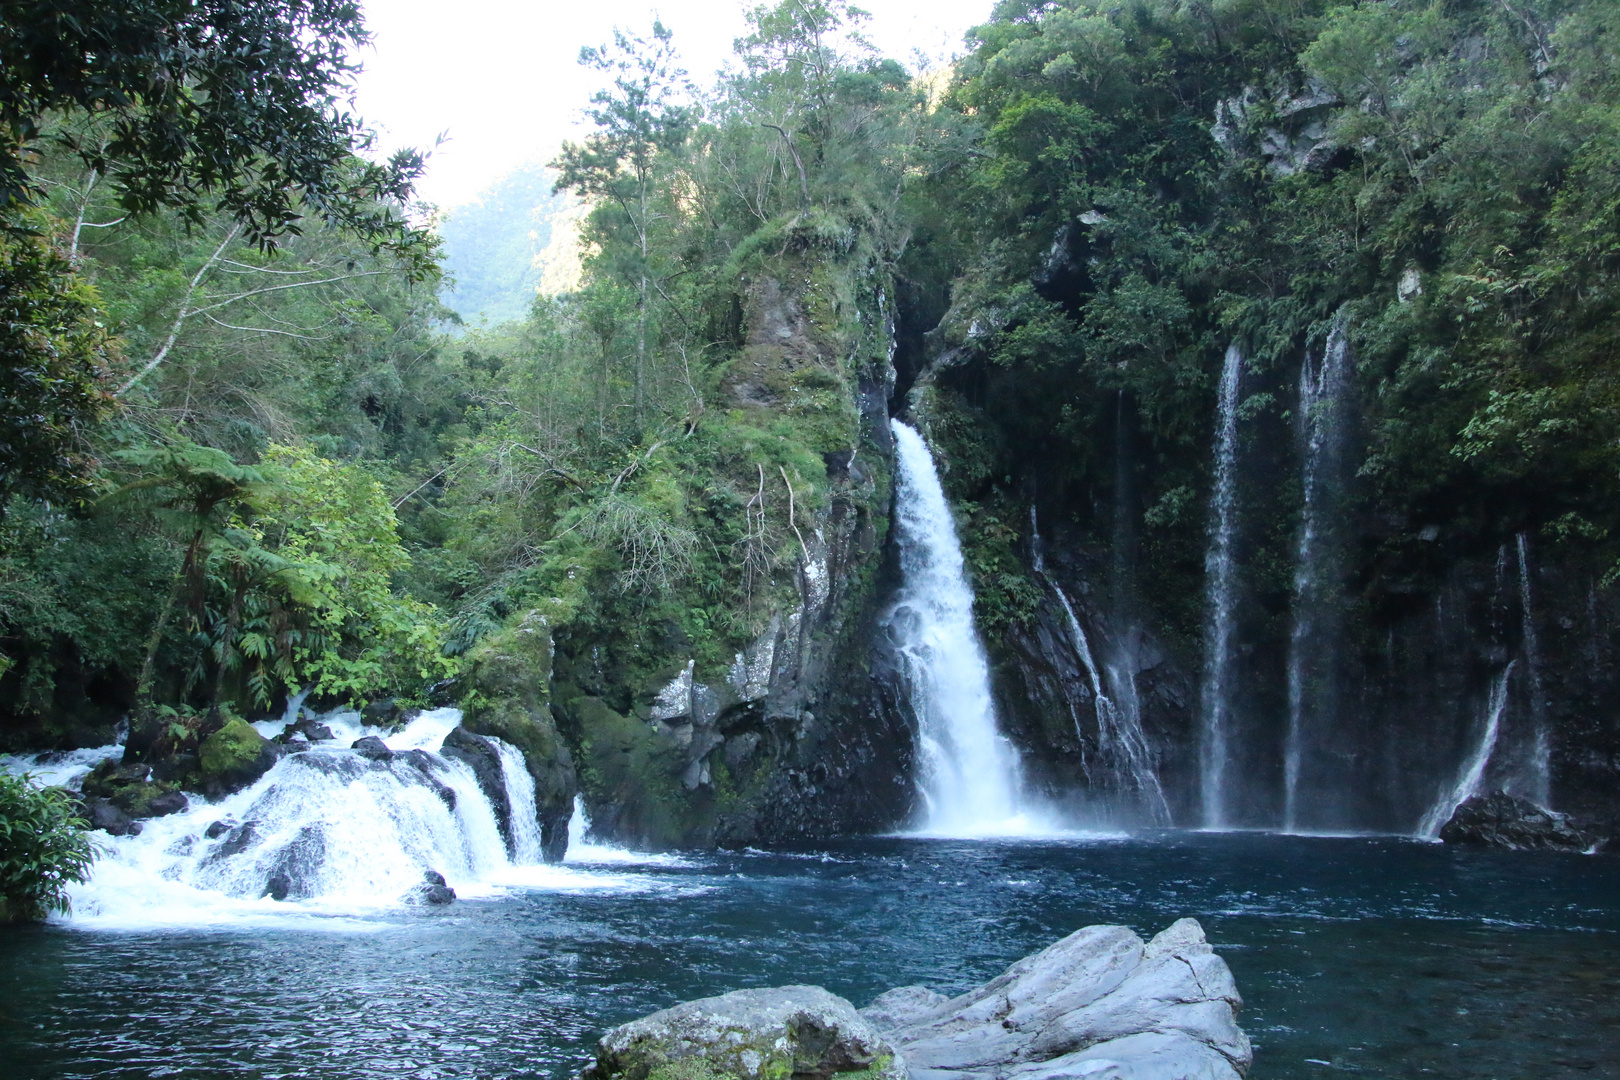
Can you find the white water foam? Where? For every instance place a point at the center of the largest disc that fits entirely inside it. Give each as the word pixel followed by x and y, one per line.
pixel 60 768
pixel 1221 571
pixel 347 839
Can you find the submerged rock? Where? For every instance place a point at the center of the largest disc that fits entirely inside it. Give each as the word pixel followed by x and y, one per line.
pixel 1501 820
pixel 434 890
pixel 1100 1004
pixel 798 1031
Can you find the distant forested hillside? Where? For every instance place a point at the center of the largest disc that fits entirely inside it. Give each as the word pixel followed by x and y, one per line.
pixel 496 247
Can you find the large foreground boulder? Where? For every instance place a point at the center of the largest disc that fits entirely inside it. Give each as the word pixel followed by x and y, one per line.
pixel 234 757
pixel 1100 1004
pixel 1500 820
pixel 787 1031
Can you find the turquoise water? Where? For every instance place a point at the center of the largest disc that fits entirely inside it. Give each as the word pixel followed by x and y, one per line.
pixel 1373 956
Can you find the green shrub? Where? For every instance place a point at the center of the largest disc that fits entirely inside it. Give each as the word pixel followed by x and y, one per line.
pixel 43 847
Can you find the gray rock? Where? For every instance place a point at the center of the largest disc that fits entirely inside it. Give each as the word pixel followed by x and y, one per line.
pixel 1099 1003
pixel 902 1007
pixel 799 1031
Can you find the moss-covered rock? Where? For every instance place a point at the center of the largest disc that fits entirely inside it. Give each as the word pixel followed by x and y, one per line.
pixel 131 790
pixel 508 680
pixel 631 775
pixel 233 757
pixel 776 1034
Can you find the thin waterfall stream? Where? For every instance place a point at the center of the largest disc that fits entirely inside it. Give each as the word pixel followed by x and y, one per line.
pixel 969 777
pixel 1221 568
pixel 1120 737
pixel 1314 642
pixel 1471 779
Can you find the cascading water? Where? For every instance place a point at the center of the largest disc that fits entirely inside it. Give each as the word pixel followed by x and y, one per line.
pixel 969 776
pixel 328 831
pixel 1314 641
pixel 1471 779
pixel 1120 737
pixel 1538 784
pixel 1221 572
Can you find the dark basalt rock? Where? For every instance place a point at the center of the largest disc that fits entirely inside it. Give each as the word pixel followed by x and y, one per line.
pixel 433 889
pixel 384 712
pixel 165 803
pixel 100 813
pixel 480 755
pixel 1501 820
pixel 240 836
pixel 218 829
pixel 310 729
pixel 373 748
pixel 279 887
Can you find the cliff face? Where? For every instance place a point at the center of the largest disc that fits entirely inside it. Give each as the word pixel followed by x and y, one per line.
pixel 796 733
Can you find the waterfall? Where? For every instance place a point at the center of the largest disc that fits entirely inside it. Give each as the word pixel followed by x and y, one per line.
pixel 1314 644
pixel 1119 723
pixel 328 831
pixel 1473 771
pixel 1221 572
pixel 1540 780
pixel 969 777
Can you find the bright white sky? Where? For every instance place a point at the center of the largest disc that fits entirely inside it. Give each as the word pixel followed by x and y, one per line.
pixel 502 79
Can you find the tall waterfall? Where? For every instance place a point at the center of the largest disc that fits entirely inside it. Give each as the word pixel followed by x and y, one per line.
pixel 1314 642
pixel 1221 572
pixel 969 776
pixel 1472 777
pixel 1538 785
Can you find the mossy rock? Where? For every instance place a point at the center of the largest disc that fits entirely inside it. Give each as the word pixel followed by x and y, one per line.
pixel 235 756
pixel 632 778
pixel 509 688
pixel 780 1033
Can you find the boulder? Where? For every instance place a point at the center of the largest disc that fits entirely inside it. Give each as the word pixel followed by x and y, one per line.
pixel 1099 1003
pixel 384 712
pixel 234 757
pixel 372 747
pixel 802 1032
pixel 1501 820
pixel 134 790
pixel 433 890
pixel 100 813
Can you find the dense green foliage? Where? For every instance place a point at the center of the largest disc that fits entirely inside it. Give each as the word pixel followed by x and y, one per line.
pixel 1153 181
pixel 308 483
pixel 43 849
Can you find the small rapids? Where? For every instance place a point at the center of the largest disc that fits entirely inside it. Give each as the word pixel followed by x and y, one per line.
pixel 330 837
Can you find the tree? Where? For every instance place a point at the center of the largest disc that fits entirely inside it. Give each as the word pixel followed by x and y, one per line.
pixel 637 120
pixel 195 100
pixel 55 358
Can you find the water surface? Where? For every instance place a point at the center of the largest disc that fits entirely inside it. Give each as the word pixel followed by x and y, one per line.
pixel 1379 957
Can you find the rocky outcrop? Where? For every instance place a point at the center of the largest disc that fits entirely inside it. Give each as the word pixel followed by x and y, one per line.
pixel 480 755
pixel 508 684
pixel 787 1031
pixel 1500 820
pixel 1098 1003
